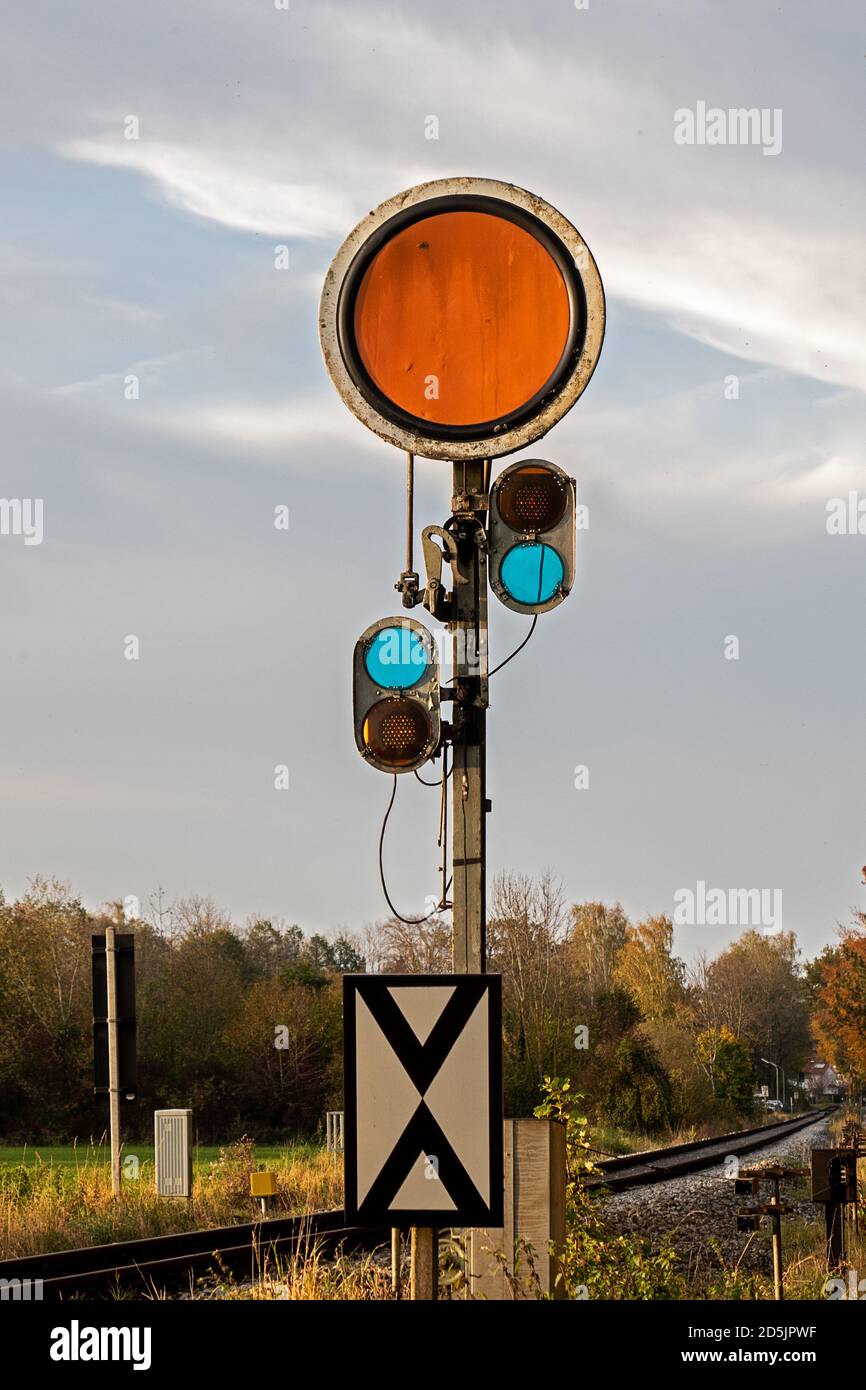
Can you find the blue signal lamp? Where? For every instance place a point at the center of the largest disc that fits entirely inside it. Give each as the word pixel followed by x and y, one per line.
pixel 532 527
pixel 395 695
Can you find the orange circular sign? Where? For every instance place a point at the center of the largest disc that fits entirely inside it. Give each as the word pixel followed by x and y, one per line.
pixel 461 318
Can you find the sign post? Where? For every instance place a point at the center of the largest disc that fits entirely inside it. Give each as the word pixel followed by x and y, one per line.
pixel 113 1068
pixel 114 1062
pixel 469 776
pixel 459 321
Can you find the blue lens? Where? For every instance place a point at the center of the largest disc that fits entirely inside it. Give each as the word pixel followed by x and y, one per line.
pixel 396 658
pixel 532 573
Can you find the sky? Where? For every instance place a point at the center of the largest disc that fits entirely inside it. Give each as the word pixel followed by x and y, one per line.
pixel 726 414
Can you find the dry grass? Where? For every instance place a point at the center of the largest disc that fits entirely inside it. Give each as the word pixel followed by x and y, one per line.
pixel 44 1208
pixel 803 1244
pixel 805 1267
pixel 308 1275
pixel 613 1140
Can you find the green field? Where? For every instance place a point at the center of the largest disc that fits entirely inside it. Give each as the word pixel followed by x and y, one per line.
pixel 89 1155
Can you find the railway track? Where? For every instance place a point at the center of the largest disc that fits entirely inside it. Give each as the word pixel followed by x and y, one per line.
pixel 660 1165
pixel 164 1262
pixel 147 1267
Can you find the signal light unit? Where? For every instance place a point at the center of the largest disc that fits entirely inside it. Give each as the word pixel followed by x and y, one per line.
pixel 532 536
pixel 395 692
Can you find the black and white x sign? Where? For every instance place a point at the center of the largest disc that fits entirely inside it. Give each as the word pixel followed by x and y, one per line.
pixel 423 1100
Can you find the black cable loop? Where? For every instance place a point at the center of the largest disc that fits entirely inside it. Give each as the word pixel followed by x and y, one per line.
pixel 410 921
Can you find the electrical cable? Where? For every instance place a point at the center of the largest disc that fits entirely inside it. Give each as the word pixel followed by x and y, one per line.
pixel 410 921
pixel 442 838
pixel 531 625
pixel 434 784
pixel 516 649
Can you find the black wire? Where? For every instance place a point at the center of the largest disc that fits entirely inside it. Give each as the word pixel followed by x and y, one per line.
pixel 531 626
pixel 516 650
pixel 410 921
pixel 435 784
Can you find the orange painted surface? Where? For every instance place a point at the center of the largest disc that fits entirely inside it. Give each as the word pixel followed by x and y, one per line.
pixel 465 304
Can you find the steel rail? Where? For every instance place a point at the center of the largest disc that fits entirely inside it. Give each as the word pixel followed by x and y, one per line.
pixel 660 1165
pixel 162 1261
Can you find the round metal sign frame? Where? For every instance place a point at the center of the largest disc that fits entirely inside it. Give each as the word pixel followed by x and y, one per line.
pixel 490 439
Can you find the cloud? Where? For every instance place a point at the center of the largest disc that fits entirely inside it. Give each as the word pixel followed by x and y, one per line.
pixel 122 309
pixel 759 291
pixel 266 428
pixel 723 251
pixel 199 182
pixel 150 371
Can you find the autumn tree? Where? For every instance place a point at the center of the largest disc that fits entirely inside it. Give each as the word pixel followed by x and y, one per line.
pixel 646 966
pixel 280 1047
pixel 727 1063
pixel 637 1090
pixel 46 1016
pixel 526 943
pixel 754 988
pixel 839 1018
pixel 395 947
pixel 597 934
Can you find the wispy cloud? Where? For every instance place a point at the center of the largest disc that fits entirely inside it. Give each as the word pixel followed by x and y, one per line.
pixel 268 428
pixel 150 371
pixel 668 224
pixel 224 191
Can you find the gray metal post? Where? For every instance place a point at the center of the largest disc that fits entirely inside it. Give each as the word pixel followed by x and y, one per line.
pixel 469 775
pixel 835 1234
pixel 778 1275
pixel 424 1268
pixel 469 780
pixel 113 1068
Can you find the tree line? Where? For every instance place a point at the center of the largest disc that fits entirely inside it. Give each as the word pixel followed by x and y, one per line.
pixel 243 1021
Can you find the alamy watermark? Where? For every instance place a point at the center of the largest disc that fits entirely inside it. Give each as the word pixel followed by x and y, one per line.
pixel 21 1290
pixel 728 907
pixel 846 516
pixel 737 126
pixel 835 1288
pixel 22 516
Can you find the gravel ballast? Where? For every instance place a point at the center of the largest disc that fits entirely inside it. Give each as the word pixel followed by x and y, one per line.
pixel 696 1206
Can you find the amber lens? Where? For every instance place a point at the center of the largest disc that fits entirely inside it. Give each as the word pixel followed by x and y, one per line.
pixel 397 731
pixel 532 499
pixel 461 318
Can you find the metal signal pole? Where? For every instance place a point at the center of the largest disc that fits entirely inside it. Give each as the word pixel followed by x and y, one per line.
pixel 469 779
pixel 113 1064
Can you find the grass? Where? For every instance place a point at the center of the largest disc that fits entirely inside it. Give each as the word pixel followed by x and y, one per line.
pixel 83 1155
pixel 59 1197
pixel 58 1202
pixel 804 1263
pixel 614 1141
pixel 309 1275
pixel 804 1255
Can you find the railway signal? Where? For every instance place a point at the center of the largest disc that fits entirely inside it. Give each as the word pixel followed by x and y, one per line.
pixel 834 1185
pixel 532 535
pixel 396 695
pixel 749 1218
pixel 461 320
